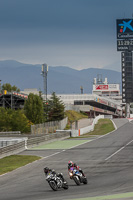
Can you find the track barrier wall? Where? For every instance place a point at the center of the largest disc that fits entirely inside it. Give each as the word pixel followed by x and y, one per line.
pixel 49 127
pixel 31 142
pixel 35 140
pixel 12 149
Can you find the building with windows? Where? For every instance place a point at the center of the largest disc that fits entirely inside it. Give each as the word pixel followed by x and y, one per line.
pixel 91 104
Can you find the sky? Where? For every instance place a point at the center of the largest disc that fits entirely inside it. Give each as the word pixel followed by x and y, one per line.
pixel 76 33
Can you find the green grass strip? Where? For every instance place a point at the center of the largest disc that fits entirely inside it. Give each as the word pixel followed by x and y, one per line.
pixel 109 197
pixel 101 128
pixel 63 144
pixel 10 163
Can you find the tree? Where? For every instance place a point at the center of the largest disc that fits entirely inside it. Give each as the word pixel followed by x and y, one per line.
pixel 5 120
pixel 56 108
pixel 13 120
pixel 34 109
pixel 9 88
pixel 20 122
pixel 15 89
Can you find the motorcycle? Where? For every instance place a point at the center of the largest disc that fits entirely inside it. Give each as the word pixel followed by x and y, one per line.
pixel 56 182
pixel 77 176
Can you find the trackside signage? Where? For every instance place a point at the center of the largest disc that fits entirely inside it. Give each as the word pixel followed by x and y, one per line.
pixel 124 28
pixel 101 87
pixel 108 87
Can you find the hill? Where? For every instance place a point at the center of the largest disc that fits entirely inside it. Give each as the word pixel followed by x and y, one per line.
pixel 62 80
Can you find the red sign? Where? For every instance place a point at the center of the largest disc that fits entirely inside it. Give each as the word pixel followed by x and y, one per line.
pixel 103 102
pixel 102 87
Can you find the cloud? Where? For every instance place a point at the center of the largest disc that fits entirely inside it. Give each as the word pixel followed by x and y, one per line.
pixel 75 33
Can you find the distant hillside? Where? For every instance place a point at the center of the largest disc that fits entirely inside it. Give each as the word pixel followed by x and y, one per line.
pixel 62 80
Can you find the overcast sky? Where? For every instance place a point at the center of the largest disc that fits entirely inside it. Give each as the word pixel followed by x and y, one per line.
pixel 75 33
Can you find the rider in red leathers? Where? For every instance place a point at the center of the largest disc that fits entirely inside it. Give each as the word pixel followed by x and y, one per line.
pixel 71 164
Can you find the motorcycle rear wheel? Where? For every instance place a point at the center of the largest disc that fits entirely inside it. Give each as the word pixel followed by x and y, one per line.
pixel 85 180
pixel 65 186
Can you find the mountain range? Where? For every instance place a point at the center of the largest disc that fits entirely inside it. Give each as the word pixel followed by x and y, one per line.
pixel 60 79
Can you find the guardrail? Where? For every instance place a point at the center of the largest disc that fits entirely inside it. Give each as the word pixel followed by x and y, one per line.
pixel 12 149
pixel 31 142
pixel 51 136
pixel 6 141
pixel 10 132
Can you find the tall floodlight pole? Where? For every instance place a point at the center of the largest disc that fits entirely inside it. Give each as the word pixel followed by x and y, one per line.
pixel 0 87
pixel 44 74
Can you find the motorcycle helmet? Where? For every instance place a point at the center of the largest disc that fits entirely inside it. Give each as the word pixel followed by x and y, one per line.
pixel 70 163
pixel 46 170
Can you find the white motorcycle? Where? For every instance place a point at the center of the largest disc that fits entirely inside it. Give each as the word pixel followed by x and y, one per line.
pixel 77 176
pixel 56 182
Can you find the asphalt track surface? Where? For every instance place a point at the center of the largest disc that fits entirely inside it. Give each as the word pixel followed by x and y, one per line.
pixel 107 162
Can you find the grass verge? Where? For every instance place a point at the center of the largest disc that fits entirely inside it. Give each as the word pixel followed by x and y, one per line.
pixel 102 127
pixel 10 163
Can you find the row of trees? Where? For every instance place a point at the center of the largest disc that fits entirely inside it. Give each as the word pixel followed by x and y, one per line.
pixel 38 111
pixel 10 88
pixel 35 111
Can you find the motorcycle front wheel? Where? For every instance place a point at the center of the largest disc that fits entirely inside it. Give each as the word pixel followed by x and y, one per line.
pixel 53 185
pixel 76 179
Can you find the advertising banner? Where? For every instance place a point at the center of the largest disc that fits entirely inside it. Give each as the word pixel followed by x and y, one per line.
pixel 124 28
pixel 101 87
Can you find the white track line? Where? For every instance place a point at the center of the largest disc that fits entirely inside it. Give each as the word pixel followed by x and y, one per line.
pixel 118 150
pixel 51 155
pixel 96 137
pixel 114 124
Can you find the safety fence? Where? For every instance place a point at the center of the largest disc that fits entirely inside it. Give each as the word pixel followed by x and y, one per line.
pixel 12 149
pixel 49 127
pixel 9 141
pixel 31 142
pixel 51 136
